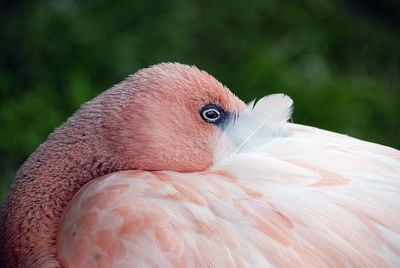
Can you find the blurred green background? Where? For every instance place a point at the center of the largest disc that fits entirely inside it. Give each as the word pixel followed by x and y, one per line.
pixel 338 60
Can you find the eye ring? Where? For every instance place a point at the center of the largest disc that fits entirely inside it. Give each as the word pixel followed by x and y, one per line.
pixel 210 115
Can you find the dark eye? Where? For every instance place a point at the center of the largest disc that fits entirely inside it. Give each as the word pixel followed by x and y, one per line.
pixel 214 114
pixel 210 115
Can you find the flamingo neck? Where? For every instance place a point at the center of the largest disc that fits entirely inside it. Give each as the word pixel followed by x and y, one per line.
pixel 43 187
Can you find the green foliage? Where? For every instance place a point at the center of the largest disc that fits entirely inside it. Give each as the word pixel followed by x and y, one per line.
pixel 338 60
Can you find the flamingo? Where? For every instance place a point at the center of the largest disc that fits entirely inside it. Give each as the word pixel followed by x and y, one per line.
pixel 170 169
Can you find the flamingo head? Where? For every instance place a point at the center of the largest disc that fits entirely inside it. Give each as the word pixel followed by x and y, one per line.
pixel 167 117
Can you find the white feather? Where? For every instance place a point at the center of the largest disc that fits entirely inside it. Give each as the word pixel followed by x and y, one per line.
pixel 255 127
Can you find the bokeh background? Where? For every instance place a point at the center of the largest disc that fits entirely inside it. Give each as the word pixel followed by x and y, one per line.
pixel 339 60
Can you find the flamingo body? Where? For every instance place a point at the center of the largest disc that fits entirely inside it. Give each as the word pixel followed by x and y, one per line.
pixel 300 197
pixel 170 169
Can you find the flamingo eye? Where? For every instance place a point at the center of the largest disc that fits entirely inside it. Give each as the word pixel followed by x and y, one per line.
pixel 214 114
pixel 210 115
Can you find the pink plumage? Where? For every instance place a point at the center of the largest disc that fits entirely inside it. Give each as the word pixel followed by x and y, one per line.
pixel 170 169
pixel 282 195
